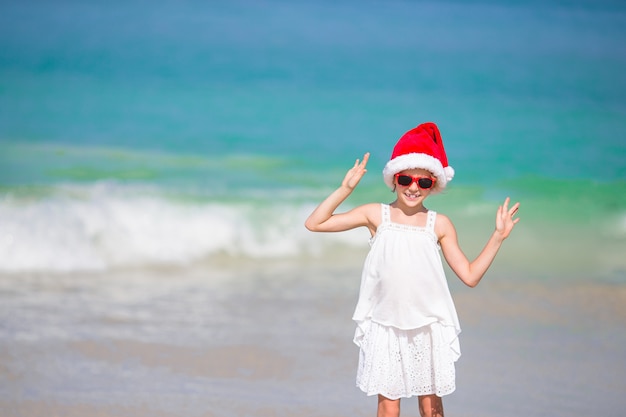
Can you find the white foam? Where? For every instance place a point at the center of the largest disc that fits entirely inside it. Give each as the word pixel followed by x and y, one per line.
pixel 101 228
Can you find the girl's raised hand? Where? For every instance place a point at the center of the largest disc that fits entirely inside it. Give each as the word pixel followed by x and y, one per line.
pixel 504 218
pixel 354 175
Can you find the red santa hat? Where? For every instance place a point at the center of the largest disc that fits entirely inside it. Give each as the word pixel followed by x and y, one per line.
pixel 420 147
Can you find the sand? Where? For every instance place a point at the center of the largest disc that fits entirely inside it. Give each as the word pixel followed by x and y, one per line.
pixel 276 340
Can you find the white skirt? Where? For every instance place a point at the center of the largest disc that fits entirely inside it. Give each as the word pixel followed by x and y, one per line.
pixel 403 363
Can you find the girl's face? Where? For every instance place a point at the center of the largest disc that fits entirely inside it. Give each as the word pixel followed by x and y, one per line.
pixel 412 194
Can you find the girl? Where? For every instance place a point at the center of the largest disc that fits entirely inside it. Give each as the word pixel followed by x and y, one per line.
pixel 407 326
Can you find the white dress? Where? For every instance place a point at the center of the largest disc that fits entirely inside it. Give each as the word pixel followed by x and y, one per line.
pixel 407 325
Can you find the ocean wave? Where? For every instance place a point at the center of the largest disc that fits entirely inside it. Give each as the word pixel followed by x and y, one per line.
pixel 97 229
pixel 112 225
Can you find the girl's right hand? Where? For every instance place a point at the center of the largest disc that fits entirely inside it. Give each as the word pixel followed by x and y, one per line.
pixel 354 175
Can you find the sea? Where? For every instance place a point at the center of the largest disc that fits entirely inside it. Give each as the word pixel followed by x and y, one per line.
pixel 153 149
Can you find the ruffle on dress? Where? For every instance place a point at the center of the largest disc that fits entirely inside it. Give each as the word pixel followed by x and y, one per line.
pixel 404 363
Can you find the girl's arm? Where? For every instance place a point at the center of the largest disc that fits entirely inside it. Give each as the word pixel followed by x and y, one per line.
pixel 324 219
pixel 472 272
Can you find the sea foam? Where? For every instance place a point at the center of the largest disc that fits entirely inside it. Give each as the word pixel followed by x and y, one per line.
pixel 99 230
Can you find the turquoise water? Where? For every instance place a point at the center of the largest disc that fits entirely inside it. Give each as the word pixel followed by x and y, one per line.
pixel 140 133
pixel 158 160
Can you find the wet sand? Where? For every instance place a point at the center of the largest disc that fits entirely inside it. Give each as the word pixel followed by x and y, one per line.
pixel 276 340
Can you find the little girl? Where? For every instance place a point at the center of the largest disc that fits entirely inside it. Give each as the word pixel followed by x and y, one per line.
pixel 407 326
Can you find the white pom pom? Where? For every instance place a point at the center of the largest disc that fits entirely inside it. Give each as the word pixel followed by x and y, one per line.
pixel 449 171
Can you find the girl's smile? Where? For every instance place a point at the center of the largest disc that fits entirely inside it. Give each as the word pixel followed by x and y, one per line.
pixel 412 196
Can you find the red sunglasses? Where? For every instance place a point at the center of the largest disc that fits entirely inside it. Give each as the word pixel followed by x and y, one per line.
pixel 422 182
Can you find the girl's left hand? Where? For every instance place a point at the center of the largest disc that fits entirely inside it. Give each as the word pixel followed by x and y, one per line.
pixel 505 220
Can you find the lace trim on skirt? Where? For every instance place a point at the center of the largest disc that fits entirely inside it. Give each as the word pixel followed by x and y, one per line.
pixel 403 363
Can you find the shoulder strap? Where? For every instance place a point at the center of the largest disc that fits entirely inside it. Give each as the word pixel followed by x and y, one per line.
pixel 385 216
pixel 430 220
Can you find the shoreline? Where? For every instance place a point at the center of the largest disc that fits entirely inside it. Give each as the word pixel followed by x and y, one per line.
pixel 278 341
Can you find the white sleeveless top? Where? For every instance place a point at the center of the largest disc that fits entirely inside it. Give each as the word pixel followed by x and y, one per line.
pixel 403 284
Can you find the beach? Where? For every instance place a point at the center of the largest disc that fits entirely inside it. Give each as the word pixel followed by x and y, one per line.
pixel 158 161
pixel 276 340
